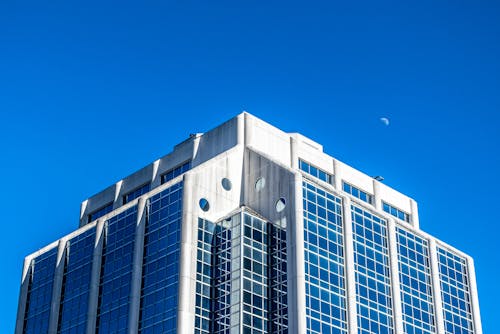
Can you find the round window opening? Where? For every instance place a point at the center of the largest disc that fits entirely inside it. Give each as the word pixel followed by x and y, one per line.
pixel 226 184
pixel 280 204
pixel 204 205
pixel 260 183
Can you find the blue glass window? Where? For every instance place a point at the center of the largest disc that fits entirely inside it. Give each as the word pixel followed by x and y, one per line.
pixel 36 318
pixel 160 270
pixel 415 283
pixel 116 273
pixel 324 262
pixel 372 268
pixel 76 283
pixel 315 171
pixel 455 292
pixel 136 193
pixel 221 276
pixel 400 214
pixel 174 172
pixel 204 270
pixel 260 247
pixel 356 192
pixel 100 212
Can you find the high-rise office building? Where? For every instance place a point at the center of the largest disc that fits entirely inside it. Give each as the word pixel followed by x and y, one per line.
pixel 248 229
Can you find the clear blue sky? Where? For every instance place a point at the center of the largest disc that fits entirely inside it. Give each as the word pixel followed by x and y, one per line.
pixel 90 92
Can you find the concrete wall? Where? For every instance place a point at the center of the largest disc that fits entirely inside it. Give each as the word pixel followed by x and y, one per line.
pixel 245 129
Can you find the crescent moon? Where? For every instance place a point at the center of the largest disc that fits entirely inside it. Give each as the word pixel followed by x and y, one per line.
pixel 385 120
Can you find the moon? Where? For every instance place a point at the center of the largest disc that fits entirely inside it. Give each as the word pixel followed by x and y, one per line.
pixel 385 120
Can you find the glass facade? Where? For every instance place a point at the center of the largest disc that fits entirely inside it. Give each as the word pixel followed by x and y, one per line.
pixel 315 171
pixel 242 283
pixel 455 292
pixel 400 214
pixel 204 258
pixel 225 260
pixel 255 275
pixel 100 212
pixel 278 281
pixel 415 283
pixel 76 283
pixel 160 272
pixel 324 262
pixel 116 272
pixel 136 193
pixel 372 268
pixel 174 172
pixel 241 277
pixel 36 318
pixel 356 192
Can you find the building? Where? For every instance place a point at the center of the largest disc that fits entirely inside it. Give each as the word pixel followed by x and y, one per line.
pixel 248 229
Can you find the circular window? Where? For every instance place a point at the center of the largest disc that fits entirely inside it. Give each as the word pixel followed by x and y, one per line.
pixel 260 183
pixel 204 205
pixel 226 184
pixel 280 204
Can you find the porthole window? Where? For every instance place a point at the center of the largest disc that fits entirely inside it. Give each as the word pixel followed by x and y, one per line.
pixel 260 184
pixel 226 184
pixel 204 205
pixel 280 204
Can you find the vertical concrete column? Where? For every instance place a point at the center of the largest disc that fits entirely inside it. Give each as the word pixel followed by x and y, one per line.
pixel 83 209
pixel 414 214
pixel 23 295
pixel 377 201
pixel 395 285
pixel 57 286
pixel 187 270
pixel 436 287
pixel 294 156
pixel 337 175
pixel 350 274
pixel 95 276
pixel 196 145
pixel 135 289
pixel 117 200
pixel 241 129
pixel 248 129
pixel 478 329
pixel 296 267
pixel 155 177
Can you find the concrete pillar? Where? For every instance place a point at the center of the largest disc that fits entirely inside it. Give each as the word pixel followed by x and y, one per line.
pixel 135 289
pixel 57 286
pixel 117 201
pixel 395 284
pixel 23 295
pixel 248 129
pixel 187 270
pixel 377 201
pixel 414 214
pixel 83 209
pixel 436 287
pixel 478 329
pixel 241 129
pixel 95 277
pixel 350 274
pixel 337 175
pixel 294 157
pixel 296 267
pixel 155 177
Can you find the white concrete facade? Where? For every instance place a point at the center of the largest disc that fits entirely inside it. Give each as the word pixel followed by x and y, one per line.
pixel 244 150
